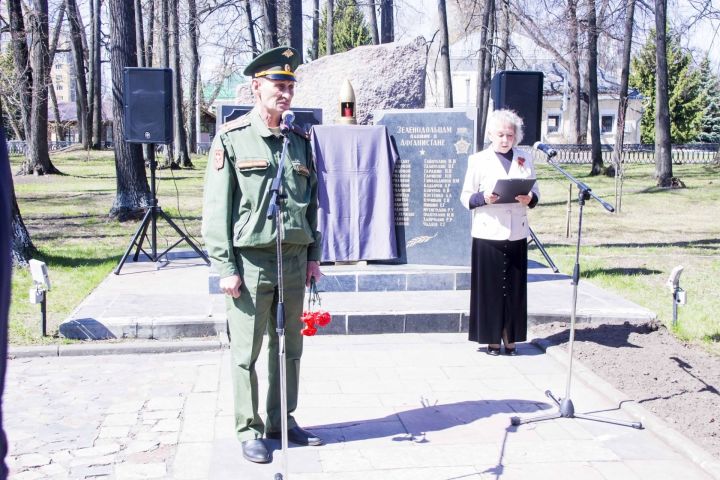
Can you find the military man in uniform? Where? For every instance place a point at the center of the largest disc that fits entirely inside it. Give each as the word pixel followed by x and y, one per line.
pixel 241 242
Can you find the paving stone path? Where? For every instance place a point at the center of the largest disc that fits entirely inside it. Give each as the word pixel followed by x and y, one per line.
pixel 389 406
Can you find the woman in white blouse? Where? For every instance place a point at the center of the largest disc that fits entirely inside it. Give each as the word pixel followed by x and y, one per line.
pixel 498 303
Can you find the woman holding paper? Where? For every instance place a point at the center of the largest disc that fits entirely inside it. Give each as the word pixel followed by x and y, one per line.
pixel 498 302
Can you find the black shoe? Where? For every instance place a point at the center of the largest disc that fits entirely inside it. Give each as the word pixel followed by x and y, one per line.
pixel 255 451
pixel 511 351
pixel 494 351
pixel 298 436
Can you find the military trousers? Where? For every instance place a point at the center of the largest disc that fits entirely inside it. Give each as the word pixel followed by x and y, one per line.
pixel 250 317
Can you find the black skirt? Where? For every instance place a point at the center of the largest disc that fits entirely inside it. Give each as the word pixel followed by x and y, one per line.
pixel 498 290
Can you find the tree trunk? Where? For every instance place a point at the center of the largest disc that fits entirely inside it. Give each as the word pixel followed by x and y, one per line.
pixel 663 154
pixel 165 33
pixel 597 161
pixel 445 56
pixel 22 249
pixel 387 22
pixel 622 103
pixel 251 28
pixel 150 33
pixel 372 17
pixel 296 35
pixel 330 24
pixel 576 82
pixel 148 149
pixel 15 127
pixel 315 46
pixel 38 158
pixel 59 130
pixel 183 158
pixel 483 86
pixel 193 103
pixel 165 45
pixel 133 193
pixel 504 28
pixel 584 102
pixel 139 34
pixel 84 115
pixel 95 103
pixel 21 59
pixel 488 62
pixel 270 34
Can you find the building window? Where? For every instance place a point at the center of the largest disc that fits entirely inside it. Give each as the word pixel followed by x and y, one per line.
pixel 553 123
pixel 607 123
pixel 58 87
pixel 58 66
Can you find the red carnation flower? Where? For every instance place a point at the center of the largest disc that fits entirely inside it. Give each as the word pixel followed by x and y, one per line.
pixel 313 319
pixel 521 161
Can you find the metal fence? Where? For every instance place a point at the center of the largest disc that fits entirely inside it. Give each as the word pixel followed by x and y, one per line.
pixel 636 153
pixel 567 153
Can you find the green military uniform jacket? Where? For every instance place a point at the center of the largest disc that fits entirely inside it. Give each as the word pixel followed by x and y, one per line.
pixel 242 164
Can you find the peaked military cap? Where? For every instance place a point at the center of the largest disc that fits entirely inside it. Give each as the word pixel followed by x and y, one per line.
pixel 276 64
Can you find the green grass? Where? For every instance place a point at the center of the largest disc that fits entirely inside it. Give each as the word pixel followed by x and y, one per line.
pixel 67 217
pixel 631 252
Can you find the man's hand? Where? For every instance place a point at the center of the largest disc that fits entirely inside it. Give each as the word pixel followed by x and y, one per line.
pixel 313 270
pixel 231 285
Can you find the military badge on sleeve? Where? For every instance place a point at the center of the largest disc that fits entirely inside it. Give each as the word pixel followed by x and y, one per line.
pixel 219 158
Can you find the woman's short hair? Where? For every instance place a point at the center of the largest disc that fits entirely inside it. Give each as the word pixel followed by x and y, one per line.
pixel 498 118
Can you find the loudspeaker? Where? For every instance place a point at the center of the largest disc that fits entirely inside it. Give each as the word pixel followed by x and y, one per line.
pixel 521 92
pixel 147 98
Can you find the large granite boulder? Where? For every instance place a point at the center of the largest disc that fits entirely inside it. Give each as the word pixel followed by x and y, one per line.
pixel 385 76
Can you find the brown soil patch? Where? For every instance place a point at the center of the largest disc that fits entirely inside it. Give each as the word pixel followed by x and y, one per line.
pixel 678 382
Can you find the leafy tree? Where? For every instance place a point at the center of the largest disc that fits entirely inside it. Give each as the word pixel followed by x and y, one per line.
pixel 686 99
pixel 349 28
pixel 710 126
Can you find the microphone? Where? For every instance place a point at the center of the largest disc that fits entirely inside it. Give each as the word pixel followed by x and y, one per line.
pixel 287 119
pixel 546 149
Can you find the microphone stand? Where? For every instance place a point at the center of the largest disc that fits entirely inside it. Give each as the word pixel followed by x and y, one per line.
pixel 566 409
pixel 275 211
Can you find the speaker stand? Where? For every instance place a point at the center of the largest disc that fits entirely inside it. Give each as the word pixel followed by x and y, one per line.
pixel 150 220
pixel 539 245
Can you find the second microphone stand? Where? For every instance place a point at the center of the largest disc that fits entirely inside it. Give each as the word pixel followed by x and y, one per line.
pixel 566 409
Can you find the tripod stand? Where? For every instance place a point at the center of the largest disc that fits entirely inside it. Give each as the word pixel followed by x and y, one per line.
pixel 539 245
pixel 150 220
pixel 566 409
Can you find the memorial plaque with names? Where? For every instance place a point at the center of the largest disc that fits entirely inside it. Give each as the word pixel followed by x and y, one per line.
pixel 432 226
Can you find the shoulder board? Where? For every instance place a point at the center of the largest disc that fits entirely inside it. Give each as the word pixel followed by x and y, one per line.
pixel 298 130
pixel 241 122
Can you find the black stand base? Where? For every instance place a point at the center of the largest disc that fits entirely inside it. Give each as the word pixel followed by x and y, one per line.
pixel 566 409
pixel 150 220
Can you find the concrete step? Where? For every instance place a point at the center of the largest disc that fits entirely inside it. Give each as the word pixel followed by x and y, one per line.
pixel 173 302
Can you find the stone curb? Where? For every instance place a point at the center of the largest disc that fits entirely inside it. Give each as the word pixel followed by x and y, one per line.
pixel 692 450
pixel 115 348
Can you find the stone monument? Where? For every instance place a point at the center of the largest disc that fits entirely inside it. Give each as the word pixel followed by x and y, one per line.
pixel 432 226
